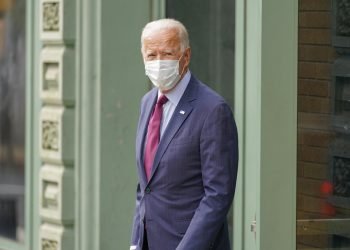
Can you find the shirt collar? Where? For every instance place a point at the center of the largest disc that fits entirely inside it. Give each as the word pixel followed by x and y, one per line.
pixel 175 95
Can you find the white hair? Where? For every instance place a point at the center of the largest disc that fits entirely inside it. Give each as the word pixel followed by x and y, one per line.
pixel 167 23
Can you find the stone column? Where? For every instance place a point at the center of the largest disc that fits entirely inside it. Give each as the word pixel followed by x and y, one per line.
pixel 57 119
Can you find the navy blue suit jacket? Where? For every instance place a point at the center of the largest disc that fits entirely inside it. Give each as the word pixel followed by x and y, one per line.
pixel 192 184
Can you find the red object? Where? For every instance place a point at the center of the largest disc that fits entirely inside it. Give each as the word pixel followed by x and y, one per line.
pixel 328 209
pixel 326 188
pixel 153 134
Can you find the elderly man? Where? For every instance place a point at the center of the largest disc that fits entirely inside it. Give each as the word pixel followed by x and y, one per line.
pixel 186 151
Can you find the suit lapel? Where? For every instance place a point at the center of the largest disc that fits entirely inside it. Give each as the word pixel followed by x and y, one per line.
pixel 182 111
pixel 147 111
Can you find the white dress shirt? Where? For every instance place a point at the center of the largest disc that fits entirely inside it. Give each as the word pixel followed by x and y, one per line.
pixel 174 97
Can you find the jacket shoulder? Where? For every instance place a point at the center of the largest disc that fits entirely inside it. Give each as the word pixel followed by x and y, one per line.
pixel 209 98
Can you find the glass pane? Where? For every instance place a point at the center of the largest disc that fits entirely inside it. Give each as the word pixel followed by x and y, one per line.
pixel 12 118
pixel 211 28
pixel 323 207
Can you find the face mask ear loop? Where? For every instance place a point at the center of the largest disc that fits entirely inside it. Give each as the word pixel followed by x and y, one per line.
pixel 179 64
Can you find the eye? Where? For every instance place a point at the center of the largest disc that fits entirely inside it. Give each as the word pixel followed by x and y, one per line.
pixel 149 56
pixel 167 53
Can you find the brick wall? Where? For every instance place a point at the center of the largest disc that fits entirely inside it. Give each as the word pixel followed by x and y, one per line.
pixel 315 58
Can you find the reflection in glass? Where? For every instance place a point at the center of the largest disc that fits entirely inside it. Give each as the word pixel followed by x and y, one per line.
pixel 342 96
pixel 323 205
pixel 211 27
pixel 12 118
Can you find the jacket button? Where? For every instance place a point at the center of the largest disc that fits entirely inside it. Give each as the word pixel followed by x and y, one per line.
pixel 148 190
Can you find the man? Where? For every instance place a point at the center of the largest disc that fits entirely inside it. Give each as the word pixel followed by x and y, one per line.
pixel 186 151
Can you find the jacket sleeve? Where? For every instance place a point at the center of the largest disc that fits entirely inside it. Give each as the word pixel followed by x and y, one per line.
pixel 135 234
pixel 219 160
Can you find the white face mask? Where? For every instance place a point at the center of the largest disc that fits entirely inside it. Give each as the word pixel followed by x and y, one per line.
pixel 164 74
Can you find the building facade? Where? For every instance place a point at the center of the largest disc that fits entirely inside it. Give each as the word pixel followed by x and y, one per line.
pixel 72 77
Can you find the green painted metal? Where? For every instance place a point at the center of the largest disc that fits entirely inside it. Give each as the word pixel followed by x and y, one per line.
pixel 32 148
pixel 277 184
pixel 33 106
pixel 111 83
pixel 6 244
pixel 158 9
pixel 252 119
pixel 87 127
pixel 123 83
pixel 265 110
pixel 239 113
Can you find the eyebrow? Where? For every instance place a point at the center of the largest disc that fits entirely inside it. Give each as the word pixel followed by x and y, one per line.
pixel 149 52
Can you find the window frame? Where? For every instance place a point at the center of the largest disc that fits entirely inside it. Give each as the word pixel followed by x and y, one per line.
pixel 32 160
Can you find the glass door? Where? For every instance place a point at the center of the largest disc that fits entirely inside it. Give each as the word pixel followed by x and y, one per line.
pixel 323 204
pixel 211 27
pixel 12 119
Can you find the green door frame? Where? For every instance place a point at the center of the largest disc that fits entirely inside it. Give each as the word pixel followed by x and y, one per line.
pixel 33 105
pixel 266 113
pixel 278 170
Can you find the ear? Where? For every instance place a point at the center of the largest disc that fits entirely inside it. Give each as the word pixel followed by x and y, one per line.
pixel 187 56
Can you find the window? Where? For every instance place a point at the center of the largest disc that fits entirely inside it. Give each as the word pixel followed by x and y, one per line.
pixel 323 207
pixel 12 119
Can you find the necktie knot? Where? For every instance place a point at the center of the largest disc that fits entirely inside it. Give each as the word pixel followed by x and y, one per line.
pixel 162 100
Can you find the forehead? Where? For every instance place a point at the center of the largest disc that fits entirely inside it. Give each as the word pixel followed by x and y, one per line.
pixel 164 38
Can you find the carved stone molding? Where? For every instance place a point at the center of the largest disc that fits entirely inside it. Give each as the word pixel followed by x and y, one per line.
pixel 50 135
pixel 49 244
pixel 57 76
pixel 53 237
pixel 50 77
pixel 57 21
pixel 56 196
pixel 51 16
pixel 57 135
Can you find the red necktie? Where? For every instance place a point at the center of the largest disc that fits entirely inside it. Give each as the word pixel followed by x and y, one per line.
pixel 153 134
